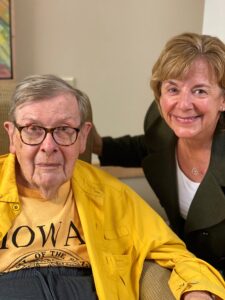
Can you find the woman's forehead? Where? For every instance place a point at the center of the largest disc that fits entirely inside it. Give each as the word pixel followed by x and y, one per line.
pixel 182 71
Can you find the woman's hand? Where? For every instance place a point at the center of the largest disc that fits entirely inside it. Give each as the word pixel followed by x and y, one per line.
pixel 97 142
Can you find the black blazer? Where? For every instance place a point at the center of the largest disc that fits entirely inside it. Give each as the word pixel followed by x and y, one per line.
pixel 204 229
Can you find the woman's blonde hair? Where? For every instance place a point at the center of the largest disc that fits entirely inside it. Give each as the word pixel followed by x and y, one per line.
pixel 180 52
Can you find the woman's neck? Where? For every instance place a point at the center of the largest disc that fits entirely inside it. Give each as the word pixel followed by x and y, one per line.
pixel 194 158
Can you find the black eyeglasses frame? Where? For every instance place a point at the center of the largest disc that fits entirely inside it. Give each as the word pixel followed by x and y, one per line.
pixel 47 130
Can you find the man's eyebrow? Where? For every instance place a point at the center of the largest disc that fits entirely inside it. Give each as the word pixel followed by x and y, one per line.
pixel 58 123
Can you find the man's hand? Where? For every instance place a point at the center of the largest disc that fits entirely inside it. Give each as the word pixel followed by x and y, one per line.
pixel 199 295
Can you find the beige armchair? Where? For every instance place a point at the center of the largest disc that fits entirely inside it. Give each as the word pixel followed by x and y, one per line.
pixel 6 90
pixel 154 280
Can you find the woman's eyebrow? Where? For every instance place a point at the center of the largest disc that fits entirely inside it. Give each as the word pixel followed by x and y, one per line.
pixel 170 81
pixel 201 85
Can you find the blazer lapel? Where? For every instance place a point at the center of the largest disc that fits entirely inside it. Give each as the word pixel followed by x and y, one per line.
pixel 208 206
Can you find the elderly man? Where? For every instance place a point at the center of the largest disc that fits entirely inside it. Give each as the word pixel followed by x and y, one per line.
pixel 69 230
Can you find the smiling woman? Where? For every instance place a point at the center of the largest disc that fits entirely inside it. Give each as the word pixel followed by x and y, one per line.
pixel 182 150
pixel 191 98
pixel 191 107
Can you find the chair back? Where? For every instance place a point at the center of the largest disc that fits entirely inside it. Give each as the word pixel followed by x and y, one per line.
pixel 6 91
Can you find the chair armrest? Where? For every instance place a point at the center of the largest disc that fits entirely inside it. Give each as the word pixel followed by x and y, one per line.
pixel 154 282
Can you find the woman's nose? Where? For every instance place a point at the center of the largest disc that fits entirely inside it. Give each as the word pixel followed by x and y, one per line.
pixel 185 100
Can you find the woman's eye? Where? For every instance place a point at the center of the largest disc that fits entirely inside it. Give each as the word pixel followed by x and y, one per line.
pixel 172 90
pixel 200 92
pixel 169 89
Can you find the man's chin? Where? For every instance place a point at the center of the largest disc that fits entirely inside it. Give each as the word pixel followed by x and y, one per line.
pixel 49 184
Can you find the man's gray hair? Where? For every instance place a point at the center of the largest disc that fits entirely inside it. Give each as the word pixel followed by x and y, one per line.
pixel 38 87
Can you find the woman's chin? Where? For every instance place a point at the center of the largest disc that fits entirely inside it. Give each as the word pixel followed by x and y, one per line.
pixel 186 133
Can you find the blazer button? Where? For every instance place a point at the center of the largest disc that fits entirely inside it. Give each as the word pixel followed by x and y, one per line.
pixel 205 233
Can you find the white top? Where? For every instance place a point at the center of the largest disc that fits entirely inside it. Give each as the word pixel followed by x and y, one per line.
pixel 186 191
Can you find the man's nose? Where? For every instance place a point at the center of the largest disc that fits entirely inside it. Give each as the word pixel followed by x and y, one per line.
pixel 49 145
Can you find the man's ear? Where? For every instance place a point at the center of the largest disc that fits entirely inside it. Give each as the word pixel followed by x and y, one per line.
pixel 84 132
pixel 10 128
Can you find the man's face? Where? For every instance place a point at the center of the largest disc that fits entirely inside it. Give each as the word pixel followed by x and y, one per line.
pixel 47 166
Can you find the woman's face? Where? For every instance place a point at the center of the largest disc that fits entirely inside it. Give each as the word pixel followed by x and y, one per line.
pixel 191 106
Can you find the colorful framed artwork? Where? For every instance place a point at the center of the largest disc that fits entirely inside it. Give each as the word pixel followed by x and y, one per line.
pixel 6 55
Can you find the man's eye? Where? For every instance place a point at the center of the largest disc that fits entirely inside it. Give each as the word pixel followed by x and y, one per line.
pixel 34 129
pixel 62 129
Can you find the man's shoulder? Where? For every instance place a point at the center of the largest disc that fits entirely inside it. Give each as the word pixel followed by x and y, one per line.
pixel 98 185
pixel 4 158
pixel 92 180
pixel 92 175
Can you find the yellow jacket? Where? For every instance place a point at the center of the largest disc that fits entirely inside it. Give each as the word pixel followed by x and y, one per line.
pixel 120 231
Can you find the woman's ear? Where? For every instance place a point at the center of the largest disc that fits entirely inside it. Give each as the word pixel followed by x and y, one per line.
pixel 10 128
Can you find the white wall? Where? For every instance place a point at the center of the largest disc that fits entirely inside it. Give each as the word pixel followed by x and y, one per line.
pixel 108 46
pixel 214 20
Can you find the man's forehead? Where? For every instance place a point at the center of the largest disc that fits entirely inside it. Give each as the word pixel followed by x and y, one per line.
pixel 60 106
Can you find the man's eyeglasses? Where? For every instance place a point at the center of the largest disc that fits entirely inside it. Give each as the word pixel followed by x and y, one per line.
pixel 34 135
